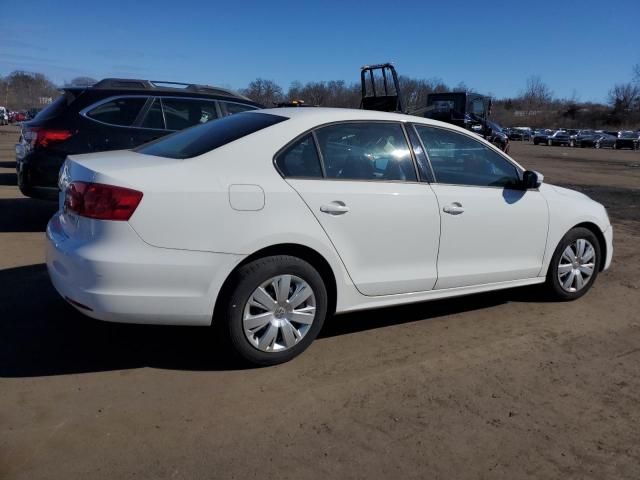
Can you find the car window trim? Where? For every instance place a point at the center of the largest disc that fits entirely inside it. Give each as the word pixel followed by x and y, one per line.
pixel 518 169
pixel 319 151
pixel 84 112
pixel 413 153
pixel 143 115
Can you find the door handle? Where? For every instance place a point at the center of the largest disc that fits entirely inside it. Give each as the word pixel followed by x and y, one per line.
pixel 453 209
pixel 334 208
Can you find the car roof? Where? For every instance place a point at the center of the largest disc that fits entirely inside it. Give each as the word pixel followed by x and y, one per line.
pixel 321 115
pixel 152 87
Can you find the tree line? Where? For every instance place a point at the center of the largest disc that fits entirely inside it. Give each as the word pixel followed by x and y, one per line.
pixel 534 106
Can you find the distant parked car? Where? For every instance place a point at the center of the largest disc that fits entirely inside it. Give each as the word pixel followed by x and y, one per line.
pixel 627 140
pixel 582 138
pixel 521 134
pixel 17 117
pixel 4 116
pixel 113 114
pixel 559 138
pixel 541 137
pixel 605 140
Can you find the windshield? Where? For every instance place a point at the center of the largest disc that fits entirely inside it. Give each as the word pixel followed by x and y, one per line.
pixel 628 135
pixel 208 136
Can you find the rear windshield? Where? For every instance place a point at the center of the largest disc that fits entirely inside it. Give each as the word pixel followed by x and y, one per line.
pixel 208 136
pixel 56 107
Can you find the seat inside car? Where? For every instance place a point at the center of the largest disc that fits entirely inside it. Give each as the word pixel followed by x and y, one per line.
pixel 357 167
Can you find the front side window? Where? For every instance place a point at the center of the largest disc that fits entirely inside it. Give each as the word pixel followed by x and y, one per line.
pixel 461 160
pixel 209 136
pixel 300 160
pixel 231 107
pixel 366 151
pixel 180 113
pixel 120 111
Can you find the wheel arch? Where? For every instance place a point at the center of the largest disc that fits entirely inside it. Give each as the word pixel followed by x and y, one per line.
pixel 303 252
pixel 593 228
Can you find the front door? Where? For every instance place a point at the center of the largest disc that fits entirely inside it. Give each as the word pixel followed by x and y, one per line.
pixel 492 230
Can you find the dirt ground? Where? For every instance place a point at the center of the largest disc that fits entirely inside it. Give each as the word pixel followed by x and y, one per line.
pixel 500 385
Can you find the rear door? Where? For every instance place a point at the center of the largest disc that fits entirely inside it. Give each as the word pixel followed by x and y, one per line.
pixel 364 191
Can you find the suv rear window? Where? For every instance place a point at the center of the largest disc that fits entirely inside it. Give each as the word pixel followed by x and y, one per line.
pixel 56 107
pixel 203 138
pixel 120 111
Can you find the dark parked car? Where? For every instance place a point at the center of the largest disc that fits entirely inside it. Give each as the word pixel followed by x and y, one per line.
pixel 583 138
pixel 521 134
pixel 541 137
pixel 113 114
pixel 560 138
pixel 627 140
pixel 604 140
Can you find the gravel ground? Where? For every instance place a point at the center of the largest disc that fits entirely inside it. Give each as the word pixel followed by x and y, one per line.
pixel 501 385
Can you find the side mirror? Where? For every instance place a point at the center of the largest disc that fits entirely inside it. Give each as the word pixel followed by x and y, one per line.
pixel 532 179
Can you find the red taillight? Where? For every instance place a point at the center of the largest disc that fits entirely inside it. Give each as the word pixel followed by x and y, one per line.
pixel 102 202
pixel 43 137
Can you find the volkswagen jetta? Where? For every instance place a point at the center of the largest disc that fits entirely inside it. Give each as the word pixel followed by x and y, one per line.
pixel 265 222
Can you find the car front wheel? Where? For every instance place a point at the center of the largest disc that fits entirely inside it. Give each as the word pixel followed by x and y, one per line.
pixel 574 265
pixel 276 308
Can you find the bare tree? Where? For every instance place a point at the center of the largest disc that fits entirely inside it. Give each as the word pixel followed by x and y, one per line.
pixel 536 94
pixel 23 90
pixel 623 97
pixel 462 87
pixel 636 73
pixel 266 92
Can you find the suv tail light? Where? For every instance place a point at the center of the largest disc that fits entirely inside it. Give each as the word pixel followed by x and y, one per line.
pixel 102 202
pixel 43 137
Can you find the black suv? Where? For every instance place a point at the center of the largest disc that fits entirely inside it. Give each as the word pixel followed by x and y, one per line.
pixel 113 114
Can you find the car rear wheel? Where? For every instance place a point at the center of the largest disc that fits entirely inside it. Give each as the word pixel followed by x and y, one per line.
pixel 574 265
pixel 276 308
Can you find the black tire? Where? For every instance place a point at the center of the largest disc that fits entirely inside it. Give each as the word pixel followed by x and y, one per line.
pixel 553 286
pixel 244 282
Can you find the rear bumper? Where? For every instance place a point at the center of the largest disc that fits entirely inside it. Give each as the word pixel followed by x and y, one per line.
pixel 37 174
pixel 117 277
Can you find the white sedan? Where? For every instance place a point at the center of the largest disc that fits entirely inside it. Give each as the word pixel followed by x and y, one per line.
pixel 263 223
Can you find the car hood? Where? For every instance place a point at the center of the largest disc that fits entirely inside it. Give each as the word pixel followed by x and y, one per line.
pixel 567 192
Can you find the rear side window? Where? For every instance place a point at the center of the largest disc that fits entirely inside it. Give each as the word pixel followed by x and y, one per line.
pixel 209 136
pixel 366 151
pixel 120 111
pixel 182 113
pixel 229 108
pixel 300 160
